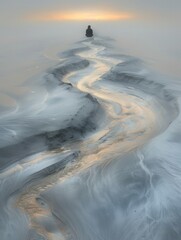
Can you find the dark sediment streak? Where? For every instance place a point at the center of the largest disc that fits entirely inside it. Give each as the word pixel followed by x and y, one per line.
pixel 50 140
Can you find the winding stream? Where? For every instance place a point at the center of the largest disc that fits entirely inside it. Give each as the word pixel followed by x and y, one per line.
pixel 98 186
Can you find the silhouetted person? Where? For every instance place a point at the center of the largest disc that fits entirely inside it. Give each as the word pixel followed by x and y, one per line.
pixel 89 32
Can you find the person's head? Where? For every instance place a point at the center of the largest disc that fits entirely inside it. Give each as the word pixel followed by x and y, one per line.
pixel 89 26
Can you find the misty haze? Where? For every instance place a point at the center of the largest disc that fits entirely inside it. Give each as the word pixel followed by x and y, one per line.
pixel 90 99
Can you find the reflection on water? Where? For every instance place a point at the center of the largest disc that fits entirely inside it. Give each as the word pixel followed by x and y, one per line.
pixel 96 185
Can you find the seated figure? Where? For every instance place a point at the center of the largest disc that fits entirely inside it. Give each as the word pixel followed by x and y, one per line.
pixel 89 32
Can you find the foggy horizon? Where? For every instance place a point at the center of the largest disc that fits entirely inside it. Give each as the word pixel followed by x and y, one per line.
pixel 90 120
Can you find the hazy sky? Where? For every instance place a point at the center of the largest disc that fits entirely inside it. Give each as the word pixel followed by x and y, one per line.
pixel 10 10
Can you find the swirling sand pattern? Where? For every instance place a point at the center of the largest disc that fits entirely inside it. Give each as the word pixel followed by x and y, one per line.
pixel 108 167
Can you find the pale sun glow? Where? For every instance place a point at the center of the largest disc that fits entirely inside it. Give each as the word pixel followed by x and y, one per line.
pixel 81 16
